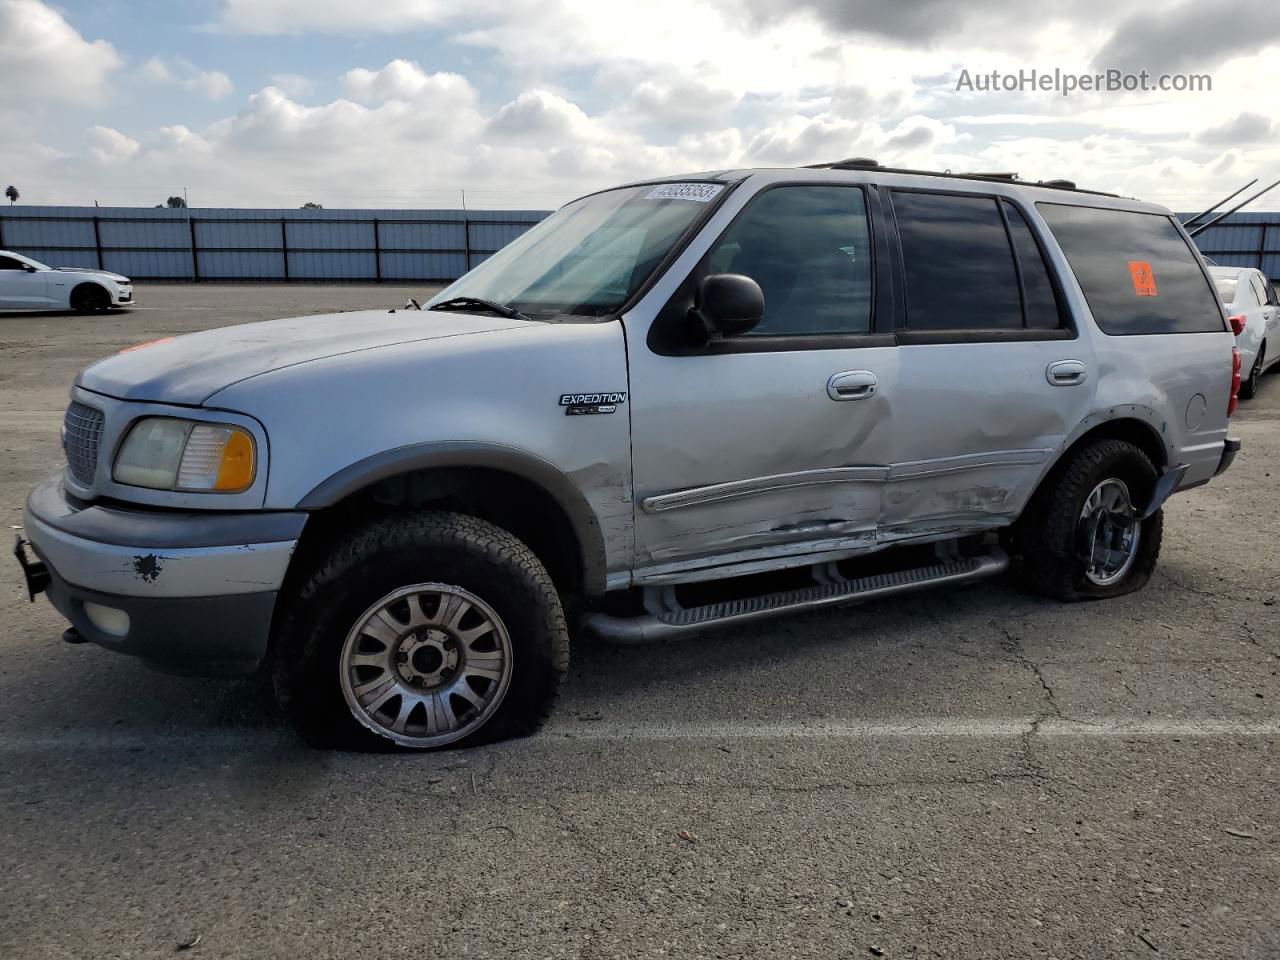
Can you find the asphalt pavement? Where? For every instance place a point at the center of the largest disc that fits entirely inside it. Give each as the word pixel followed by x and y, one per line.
pixel 968 773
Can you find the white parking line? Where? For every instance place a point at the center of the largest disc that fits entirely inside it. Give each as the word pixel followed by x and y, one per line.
pixel 918 727
pixel 643 731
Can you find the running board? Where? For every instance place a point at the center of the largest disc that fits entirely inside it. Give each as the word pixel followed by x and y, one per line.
pixel 676 621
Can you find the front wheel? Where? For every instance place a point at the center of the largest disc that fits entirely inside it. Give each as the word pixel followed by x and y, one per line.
pixel 1080 537
pixel 90 298
pixel 422 631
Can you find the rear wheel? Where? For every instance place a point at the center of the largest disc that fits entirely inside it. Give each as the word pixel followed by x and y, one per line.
pixel 1249 388
pixel 1080 536
pixel 89 298
pixel 422 631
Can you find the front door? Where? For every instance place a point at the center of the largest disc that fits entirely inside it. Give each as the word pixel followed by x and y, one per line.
pixel 21 288
pixel 774 444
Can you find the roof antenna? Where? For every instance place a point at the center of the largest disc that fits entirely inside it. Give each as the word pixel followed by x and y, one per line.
pixel 1205 226
pixel 1205 213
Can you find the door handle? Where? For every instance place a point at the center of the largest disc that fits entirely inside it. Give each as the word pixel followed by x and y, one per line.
pixel 852 385
pixel 1066 373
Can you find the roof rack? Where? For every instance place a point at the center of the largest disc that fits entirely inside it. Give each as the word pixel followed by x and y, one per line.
pixel 865 163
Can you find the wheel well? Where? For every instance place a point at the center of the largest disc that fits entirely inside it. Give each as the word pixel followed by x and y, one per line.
pixel 1133 431
pixel 505 499
pixel 87 286
pixel 1140 434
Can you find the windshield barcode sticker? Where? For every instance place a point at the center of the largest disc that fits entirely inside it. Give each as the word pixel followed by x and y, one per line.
pixel 698 192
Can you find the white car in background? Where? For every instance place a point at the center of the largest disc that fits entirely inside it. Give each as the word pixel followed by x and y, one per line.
pixel 27 284
pixel 1247 293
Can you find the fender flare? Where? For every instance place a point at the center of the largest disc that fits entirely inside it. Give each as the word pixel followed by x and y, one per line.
pixel 468 453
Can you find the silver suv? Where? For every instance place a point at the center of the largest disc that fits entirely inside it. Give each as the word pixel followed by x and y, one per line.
pixel 671 406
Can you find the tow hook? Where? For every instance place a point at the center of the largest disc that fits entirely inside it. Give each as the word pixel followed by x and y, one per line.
pixel 35 573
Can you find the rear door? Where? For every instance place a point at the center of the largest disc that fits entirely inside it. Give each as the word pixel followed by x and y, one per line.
pixel 992 375
pixel 1163 347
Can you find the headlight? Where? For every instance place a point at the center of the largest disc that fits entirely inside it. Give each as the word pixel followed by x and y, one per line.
pixel 164 453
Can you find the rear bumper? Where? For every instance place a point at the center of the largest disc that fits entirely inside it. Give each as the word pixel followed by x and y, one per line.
pixel 188 592
pixel 1230 448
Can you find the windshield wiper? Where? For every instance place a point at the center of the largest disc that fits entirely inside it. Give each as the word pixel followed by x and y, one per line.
pixel 479 303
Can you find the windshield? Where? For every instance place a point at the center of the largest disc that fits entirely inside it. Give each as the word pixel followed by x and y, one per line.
pixel 1226 288
pixel 589 256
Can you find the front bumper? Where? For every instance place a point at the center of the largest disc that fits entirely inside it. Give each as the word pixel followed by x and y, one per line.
pixel 188 592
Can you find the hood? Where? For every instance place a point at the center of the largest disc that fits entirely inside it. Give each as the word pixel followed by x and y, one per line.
pixel 189 369
pixel 101 273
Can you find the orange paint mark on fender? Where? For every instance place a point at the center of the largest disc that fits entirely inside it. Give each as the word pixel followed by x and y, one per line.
pixel 149 343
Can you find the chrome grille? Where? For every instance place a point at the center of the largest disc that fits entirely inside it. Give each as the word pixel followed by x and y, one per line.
pixel 81 433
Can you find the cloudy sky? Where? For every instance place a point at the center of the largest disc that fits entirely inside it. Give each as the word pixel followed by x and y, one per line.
pixel 527 103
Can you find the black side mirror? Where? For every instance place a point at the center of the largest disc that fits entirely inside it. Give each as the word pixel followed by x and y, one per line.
pixel 729 304
pixel 29 268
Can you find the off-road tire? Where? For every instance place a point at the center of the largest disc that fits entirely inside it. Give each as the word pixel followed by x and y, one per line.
pixel 394 552
pixel 1049 531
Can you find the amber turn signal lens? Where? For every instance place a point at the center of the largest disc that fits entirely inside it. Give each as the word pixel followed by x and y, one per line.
pixel 235 471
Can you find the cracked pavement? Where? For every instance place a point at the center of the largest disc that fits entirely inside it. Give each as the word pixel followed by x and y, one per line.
pixel 969 773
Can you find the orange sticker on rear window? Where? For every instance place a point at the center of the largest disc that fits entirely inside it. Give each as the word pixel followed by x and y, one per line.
pixel 1144 281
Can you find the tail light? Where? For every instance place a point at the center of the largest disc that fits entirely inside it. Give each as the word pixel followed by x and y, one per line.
pixel 1237 323
pixel 1235 381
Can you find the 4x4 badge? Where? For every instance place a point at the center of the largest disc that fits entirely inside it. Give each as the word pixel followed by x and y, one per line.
pixel 584 404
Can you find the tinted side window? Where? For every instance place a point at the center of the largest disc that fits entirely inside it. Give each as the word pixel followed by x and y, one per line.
pixel 1041 305
pixel 1136 270
pixel 1271 294
pixel 957 263
pixel 809 249
pixel 1259 287
pixel 8 263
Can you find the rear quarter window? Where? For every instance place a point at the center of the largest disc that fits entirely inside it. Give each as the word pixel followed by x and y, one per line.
pixel 1137 271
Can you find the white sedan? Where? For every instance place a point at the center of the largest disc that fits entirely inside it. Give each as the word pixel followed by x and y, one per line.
pixel 27 284
pixel 1248 293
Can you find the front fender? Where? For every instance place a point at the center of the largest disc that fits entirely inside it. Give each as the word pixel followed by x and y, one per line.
pixel 465 453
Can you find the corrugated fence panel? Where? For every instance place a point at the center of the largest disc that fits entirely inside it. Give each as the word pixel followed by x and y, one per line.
pixel 421 236
pixel 143 233
pixel 493 236
pixel 331 235
pixel 241 244
pixel 64 258
pixel 148 263
pixel 48 233
pixel 331 266
pixel 1240 241
pixel 241 265
pixel 212 233
pixel 423 266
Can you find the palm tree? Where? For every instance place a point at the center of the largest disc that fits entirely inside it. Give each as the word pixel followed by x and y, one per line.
pixel 12 193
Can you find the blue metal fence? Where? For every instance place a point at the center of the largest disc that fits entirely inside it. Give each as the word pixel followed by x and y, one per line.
pixel 392 245
pixel 234 244
pixel 1244 240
